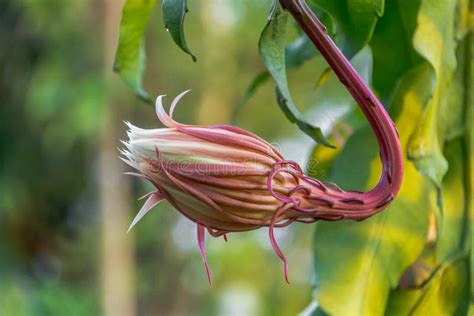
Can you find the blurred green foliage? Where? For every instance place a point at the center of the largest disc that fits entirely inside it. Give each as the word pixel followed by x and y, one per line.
pixel 51 105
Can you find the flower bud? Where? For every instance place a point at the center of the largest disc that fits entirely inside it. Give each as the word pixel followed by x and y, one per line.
pixel 226 180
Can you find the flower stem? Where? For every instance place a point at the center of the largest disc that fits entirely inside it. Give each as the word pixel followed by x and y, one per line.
pixel 384 128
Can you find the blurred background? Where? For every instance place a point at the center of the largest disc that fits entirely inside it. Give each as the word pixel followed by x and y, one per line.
pixel 65 204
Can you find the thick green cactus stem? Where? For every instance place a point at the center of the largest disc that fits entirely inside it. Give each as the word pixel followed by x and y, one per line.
pixel 384 128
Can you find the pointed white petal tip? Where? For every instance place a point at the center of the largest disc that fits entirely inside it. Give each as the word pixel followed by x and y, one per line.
pixel 159 99
pixel 123 142
pixel 122 151
pixel 176 100
pixel 130 162
pixel 133 129
pixel 184 92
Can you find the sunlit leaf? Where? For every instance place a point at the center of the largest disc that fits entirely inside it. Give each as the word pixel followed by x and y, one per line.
pixel 130 56
pixel 446 293
pixel 272 50
pixel 434 40
pixel 174 12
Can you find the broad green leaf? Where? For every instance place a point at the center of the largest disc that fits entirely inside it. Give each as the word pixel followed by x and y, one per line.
pixel 272 49
pixel 392 61
pixel 354 21
pixel 174 12
pixel 358 263
pixel 434 40
pixel 446 293
pixel 130 56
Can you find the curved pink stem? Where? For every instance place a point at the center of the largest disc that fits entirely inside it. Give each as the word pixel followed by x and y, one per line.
pixel 384 128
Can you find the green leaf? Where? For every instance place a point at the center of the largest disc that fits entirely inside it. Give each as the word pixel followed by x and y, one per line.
pixel 174 12
pixel 446 293
pixel 272 49
pixel 354 21
pixel 130 56
pixel 358 263
pixel 447 290
pixel 434 40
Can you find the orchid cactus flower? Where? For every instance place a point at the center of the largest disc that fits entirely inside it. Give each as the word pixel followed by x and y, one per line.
pixel 227 180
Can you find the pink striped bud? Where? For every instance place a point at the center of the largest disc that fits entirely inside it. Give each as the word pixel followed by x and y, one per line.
pixel 228 180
